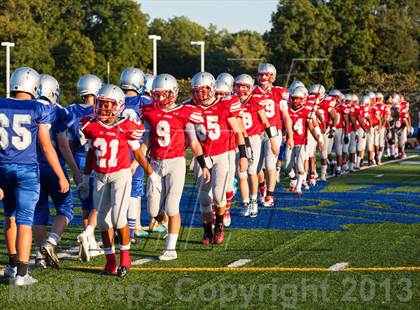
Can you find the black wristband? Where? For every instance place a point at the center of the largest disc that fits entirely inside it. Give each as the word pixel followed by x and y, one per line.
pixel 242 151
pixel 201 161
pixel 247 142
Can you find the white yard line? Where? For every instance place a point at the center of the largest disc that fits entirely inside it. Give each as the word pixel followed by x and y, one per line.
pixel 410 163
pixel 143 261
pixel 239 263
pixel 379 176
pixel 339 266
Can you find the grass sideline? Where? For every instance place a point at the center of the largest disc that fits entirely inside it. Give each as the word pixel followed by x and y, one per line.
pixel 385 246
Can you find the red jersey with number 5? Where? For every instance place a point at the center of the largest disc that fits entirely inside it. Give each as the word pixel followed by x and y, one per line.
pixel 167 129
pixel 112 143
pixel 215 134
pixel 300 119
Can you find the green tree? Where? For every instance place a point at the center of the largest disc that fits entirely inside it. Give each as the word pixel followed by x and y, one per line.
pixel 303 29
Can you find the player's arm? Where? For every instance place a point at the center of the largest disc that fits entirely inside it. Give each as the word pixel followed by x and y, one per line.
pixel 352 119
pixel 288 124
pixel 346 122
pixel 312 128
pixel 361 122
pixel 51 156
pixel 333 116
pixel 197 150
pixel 234 124
pixel 65 151
pixel 271 131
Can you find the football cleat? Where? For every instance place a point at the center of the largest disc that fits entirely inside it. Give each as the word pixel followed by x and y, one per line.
pixel 109 270
pixel 226 218
pixel 219 234
pixel 140 233
pixel 305 185
pixel 40 263
pixel 278 174
pixel 245 210
pixel 268 201
pixel 49 250
pixel 312 180
pixel 253 208
pixel 10 272
pixel 23 280
pixel 207 238
pixel 122 271
pixel 83 240
pixel 299 193
pixel 292 187
pixel 168 255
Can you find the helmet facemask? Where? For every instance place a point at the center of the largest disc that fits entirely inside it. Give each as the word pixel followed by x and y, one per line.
pixel 203 94
pixel 242 90
pixel 163 99
pixel 265 79
pixel 106 109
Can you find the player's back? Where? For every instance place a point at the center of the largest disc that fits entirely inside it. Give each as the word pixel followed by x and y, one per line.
pixel 19 121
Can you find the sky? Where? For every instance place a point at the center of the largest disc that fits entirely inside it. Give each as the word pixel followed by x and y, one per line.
pixel 234 15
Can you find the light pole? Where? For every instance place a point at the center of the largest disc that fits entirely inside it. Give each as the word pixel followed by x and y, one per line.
pixel 8 45
pixel 154 38
pixel 201 43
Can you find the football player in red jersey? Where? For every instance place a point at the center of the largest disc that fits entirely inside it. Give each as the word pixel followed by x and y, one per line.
pixel 276 109
pixel 302 123
pixel 255 122
pixel 110 138
pixel 171 127
pixel 408 130
pixel 341 137
pixel 215 134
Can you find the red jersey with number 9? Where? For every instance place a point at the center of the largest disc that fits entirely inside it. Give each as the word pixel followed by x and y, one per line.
pixel 112 143
pixel 300 120
pixel 167 129
pixel 275 102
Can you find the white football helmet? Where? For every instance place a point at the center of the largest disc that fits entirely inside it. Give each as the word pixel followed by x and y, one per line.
pixel 227 78
pixel 132 79
pixel 354 98
pixel 395 99
pixel 294 85
pixel 164 90
pixel 109 93
pixel 25 79
pixel 364 101
pixel 148 82
pixel 49 89
pixel 89 84
pixel 379 97
pixel 318 90
pixel 203 86
pixel 243 80
pixel 264 70
pixel 222 89
pixel 298 96
pixel 348 98
pixel 336 94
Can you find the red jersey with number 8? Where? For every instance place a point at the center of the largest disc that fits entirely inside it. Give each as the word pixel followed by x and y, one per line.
pixel 112 143
pixel 167 129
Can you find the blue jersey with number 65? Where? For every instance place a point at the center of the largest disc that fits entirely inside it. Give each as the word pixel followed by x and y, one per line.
pixel 19 120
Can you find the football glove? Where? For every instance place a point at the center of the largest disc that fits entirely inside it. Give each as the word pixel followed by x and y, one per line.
pixel 346 140
pixel 155 181
pixel 331 133
pixel 84 187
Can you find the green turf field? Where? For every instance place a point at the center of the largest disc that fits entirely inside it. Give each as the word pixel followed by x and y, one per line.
pixel 287 268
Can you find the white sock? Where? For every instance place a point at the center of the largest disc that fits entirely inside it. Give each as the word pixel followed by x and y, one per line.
pixel 53 238
pixel 170 242
pixel 358 161
pixel 252 197
pixel 89 230
pixel 350 165
pixel 380 155
pixel 125 247
pixel 292 174
pixel 110 250
pixel 300 179
pixel 324 170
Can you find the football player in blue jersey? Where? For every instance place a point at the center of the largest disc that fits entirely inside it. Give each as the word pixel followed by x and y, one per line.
pixel 23 122
pixel 87 87
pixel 132 82
pixel 46 254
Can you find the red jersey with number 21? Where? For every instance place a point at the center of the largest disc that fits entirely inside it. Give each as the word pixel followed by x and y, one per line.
pixel 112 143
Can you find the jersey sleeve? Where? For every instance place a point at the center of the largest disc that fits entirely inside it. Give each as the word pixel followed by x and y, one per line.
pixel 284 97
pixel 134 132
pixel 193 115
pixel 234 107
pixel 45 113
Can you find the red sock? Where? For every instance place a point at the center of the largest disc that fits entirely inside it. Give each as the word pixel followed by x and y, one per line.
pixel 111 262
pixel 229 197
pixel 125 259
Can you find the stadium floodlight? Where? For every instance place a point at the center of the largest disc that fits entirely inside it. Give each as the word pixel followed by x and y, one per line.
pixel 155 38
pixel 8 45
pixel 201 44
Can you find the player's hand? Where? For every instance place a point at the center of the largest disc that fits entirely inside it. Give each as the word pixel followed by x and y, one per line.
pixel 243 164
pixel 77 176
pixel 320 146
pixel 290 143
pixel 64 185
pixel 206 175
pixel 364 135
pixel 155 181
pixel 191 166
pixel 331 133
pixel 346 140
pixel 84 187
pixel 1 194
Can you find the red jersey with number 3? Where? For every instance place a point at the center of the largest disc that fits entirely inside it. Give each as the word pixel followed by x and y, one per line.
pixel 300 119
pixel 215 134
pixel 167 129
pixel 112 143
pixel 275 102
